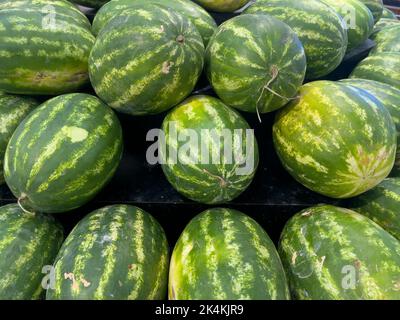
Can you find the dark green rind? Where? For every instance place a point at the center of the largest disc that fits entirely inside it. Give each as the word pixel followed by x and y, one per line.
pixel 388 40
pixel 63 153
pixel 156 70
pixel 118 252
pixel 242 58
pixel 91 3
pixel 225 255
pixel 336 140
pixel 44 47
pixel 331 253
pixel 319 28
pixel 381 205
pixel 376 7
pixel 28 242
pixel 13 109
pixel 207 183
pixel 388 14
pixel 382 67
pixel 222 5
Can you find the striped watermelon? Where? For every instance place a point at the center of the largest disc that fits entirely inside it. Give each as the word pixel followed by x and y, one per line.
pixel 390 98
pixel 331 253
pixel 45 47
pixel 245 70
pixel 336 140
pixel 388 14
pixel 192 174
pixel 158 68
pixel 358 18
pixel 118 252
pixel 376 7
pixel 388 40
pixel 382 67
pixel 63 153
pixel 222 5
pixel 204 23
pixel 13 109
pixel 383 24
pixel 224 254
pixel 381 204
pixel 90 3
pixel 319 27
pixel 28 243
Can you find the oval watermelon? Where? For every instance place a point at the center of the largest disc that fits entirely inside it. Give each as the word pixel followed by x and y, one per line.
pixel 381 205
pixel 376 7
pixel 28 244
pixel 222 5
pixel 388 14
pixel 382 67
pixel 319 28
pixel 203 21
pixel 336 140
pixel 224 254
pixel 387 40
pixel 158 68
pixel 390 98
pixel 383 24
pixel 247 72
pixel 90 3
pixel 63 153
pixel 45 47
pixel 331 253
pixel 13 109
pixel 118 252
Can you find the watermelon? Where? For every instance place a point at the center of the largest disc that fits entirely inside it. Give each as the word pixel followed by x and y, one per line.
pixel 203 21
pixel 245 70
pixel 229 162
pixel 224 254
pixel 336 140
pixel 158 68
pixel 28 243
pixel 382 67
pixel 90 3
pixel 388 40
pixel 13 109
pixel 331 253
pixel 390 98
pixel 376 7
pixel 358 18
pixel 45 47
pixel 383 24
pixel 381 205
pixel 118 252
pixel 222 5
pixel 388 14
pixel 63 153
pixel 319 28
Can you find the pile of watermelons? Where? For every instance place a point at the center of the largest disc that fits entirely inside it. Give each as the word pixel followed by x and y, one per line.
pixel 60 146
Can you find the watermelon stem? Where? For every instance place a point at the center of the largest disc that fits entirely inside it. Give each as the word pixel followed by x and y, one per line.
pixel 21 198
pixel 222 181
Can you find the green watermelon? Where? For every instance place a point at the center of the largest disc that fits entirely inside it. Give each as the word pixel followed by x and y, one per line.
pixel 146 60
pixel 331 253
pixel 388 14
pixel 63 153
pixel 383 24
pixel 390 98
pixel 336 140
pixel 45 47
pixel 376 7
pixel 319 28
pixel 13 109
pixel 28 243
pixel 90 3
pixel 118 252
pixel 224 254
pixel 245 70
pixel 388 40
pixel 229 162
pixel 222 5
pixel 204 23
pixel 381 204
pixel 358 18
pixel 382 67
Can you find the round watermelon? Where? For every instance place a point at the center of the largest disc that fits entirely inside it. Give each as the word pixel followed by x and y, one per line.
pixel 63 153
pixel 28 246
pixel 331 253
pixel 383 24
pixel 225 255
pixel 90 3
pixel 45 47
pixel 222 5
pixel 388 14
pixel 381 204
pixel 320 29
pixel 336 139
pixel 390 98
pixel 146 60
pixel 203 21
pixel 382 67
pixel 247 72
pixel 376 7
pixel 358 18
pixel 210 154
pixel 388 40
pixel 118 252
pixel 13 109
